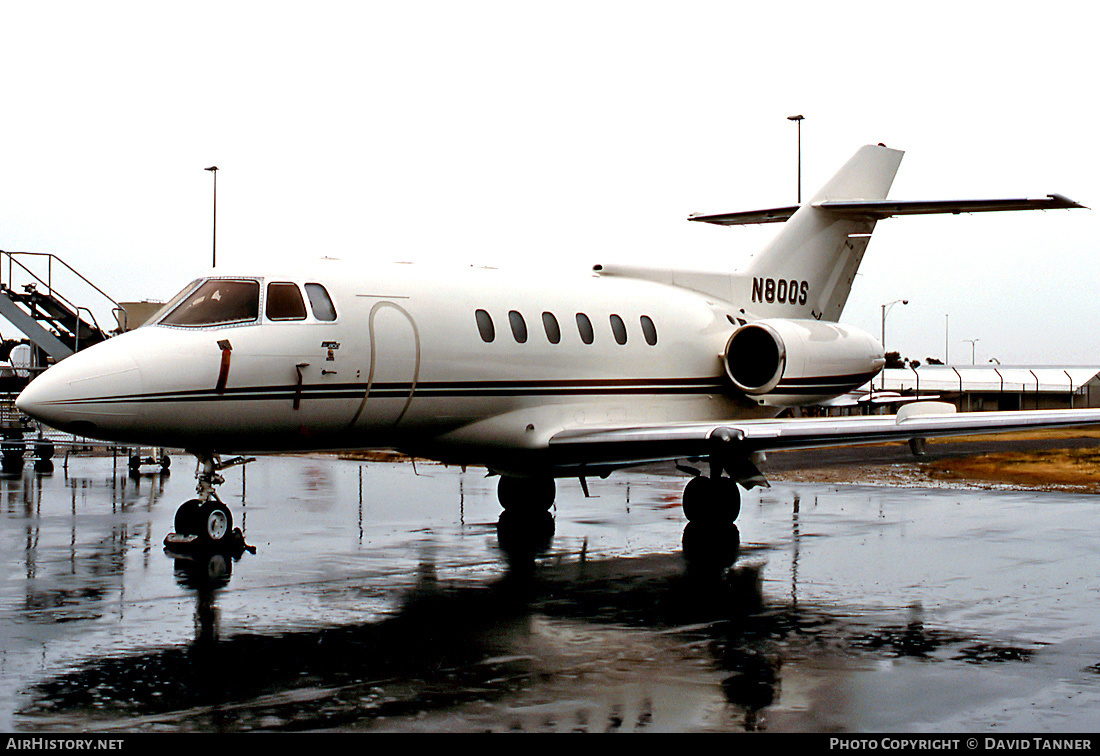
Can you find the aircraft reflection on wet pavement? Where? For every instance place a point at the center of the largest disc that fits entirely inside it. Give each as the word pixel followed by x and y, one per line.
pixel 419 606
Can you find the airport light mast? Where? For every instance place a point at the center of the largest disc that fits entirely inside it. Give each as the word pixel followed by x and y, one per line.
pixel 885 309
pixel 214 254
pixel 972 353
pixel 798 119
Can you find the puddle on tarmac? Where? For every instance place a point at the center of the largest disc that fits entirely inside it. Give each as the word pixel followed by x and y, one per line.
pixel 383 598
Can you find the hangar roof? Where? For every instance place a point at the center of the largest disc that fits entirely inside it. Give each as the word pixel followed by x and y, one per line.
pixel 988 378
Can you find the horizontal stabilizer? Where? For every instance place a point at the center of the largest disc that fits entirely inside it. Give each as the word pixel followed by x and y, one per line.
pixel 747 217
pixel 879 209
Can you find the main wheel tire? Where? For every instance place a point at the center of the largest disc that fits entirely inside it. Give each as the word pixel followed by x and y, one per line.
pixel 697 497
pixel 727 499
pixel 532 494
pixel 715 500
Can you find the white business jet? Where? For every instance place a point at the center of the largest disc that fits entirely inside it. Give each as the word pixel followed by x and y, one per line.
pixel 535 378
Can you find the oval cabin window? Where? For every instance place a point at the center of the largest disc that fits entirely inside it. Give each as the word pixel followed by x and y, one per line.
pixel 485 326
pixel 649 331
pixel 519 327
pixel 584 327
pixel 550 325
pixel 618 328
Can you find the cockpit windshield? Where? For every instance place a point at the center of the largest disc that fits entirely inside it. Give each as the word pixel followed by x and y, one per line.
pixel 218 301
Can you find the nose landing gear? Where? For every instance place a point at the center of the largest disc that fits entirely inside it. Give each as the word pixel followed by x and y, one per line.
pixel 209 521
pixel 206 522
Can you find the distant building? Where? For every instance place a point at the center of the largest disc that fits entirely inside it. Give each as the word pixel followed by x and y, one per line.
pixel 138 313
pixel 979 388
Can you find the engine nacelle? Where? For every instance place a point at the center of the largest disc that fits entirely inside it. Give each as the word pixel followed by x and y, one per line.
pixel 786 363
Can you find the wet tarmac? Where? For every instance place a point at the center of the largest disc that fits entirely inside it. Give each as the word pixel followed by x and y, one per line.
pixel 387 598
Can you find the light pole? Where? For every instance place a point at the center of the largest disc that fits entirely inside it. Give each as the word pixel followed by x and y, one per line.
pixel 798 119
pixel 947 339
pixel 214 262
pixel 972 343
pixel 885 309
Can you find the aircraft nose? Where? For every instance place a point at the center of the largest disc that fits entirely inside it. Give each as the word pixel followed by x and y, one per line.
pixel 86 393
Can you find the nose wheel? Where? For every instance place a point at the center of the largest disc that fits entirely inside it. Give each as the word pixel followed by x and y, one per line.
pixel 206 522
pixel 209 521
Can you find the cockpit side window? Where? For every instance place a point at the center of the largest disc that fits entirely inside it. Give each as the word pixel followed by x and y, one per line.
pixel 171 303
pixel 284 302
pixel 320 302
pixel 218 301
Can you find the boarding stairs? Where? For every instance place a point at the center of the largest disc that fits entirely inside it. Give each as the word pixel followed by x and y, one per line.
pixel 30 300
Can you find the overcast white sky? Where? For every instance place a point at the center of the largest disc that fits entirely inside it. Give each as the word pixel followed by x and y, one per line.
pixel 565 133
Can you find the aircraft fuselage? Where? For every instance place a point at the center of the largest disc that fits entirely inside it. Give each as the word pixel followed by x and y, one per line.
pixel 464 365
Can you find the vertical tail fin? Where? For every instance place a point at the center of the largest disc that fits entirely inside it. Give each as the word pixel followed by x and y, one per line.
pixel 808 268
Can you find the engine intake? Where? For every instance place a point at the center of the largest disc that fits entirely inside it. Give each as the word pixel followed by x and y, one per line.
pixel 792 362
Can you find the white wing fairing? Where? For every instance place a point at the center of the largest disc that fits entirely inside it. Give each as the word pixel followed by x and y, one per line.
pixel 534 378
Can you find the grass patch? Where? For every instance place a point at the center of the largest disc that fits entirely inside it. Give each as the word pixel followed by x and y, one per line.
pixel 1052 467
pixel 1035 435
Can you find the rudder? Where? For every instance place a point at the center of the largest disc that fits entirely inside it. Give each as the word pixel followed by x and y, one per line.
pixel 808 268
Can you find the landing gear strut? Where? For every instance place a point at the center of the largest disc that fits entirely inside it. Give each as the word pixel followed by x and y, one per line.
pixel 206 521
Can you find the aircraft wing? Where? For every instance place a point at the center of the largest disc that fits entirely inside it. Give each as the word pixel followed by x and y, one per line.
pixel 641 444
pixel 879 209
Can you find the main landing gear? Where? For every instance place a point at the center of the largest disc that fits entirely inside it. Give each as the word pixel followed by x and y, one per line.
pixel 711 504
pixel 715 499
pixel 526 527
pixel 205 522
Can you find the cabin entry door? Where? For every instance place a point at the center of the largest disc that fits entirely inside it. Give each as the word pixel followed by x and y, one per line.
pixel 393 369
